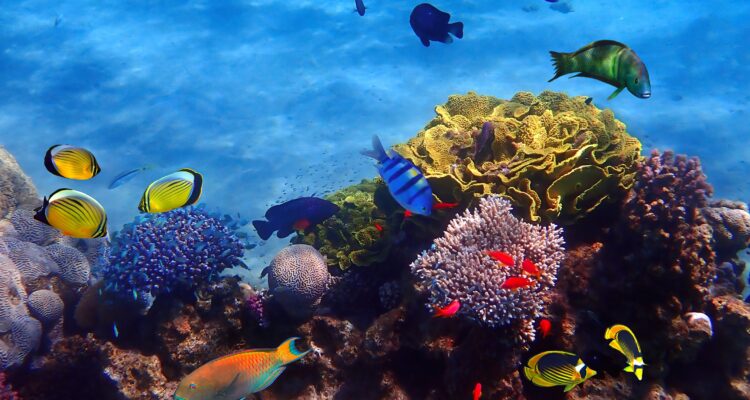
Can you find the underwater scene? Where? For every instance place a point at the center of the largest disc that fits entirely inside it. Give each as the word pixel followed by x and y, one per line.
pixel 374 200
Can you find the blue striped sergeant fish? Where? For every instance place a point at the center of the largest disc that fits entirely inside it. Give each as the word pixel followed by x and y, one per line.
pixel 405 181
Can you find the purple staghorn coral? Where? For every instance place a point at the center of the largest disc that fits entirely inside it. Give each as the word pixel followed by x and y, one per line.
pixel 162 252
pixel 457 267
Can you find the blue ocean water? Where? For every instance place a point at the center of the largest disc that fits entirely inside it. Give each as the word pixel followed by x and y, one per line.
pixel 273 99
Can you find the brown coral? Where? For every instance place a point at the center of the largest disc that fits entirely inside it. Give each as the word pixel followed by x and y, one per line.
pixel 555 157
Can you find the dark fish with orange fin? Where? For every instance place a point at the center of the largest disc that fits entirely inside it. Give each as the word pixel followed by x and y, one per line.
pixel 408 213
pixel 530 268
pixel 448 311
pixel 516 282
pixel 295 215
pixel 501 256
pixel 443 206
pixel 477 393
pixel 544 327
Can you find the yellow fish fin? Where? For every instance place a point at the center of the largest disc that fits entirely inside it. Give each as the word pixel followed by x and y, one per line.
pixel 570 386
pixel 271 378
pixel 613 344
pixel 628 368
pixel 639 373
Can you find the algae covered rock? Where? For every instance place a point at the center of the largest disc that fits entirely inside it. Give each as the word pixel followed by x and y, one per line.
pixel 555 157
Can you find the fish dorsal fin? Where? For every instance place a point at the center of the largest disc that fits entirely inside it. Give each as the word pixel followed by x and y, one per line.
pixel 597 44
pixel 271 378
pixel 616 346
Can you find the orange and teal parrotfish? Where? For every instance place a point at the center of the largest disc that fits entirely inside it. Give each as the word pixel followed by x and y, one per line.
pixel 607 61
pixel 448 311
pixel 516 282
pixel 503 257
pixel 238 375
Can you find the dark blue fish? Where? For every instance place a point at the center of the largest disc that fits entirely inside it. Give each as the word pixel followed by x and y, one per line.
pixel 589 100
pixel 429 23
pixel 404 180
pixel 483 143
pixel 295 215
pixel 360 7
pixel 126 176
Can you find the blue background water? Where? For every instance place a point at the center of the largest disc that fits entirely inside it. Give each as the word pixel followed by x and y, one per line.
pixel 272 99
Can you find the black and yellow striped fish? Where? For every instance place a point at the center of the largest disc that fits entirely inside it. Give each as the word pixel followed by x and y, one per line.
pixel 71 162
pixel 624 341
pixel 74 214
pixel 178 189
pixel 557 368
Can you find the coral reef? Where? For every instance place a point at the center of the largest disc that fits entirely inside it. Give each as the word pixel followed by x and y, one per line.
pixel 163 252
pixel 46 305
pixel 730 221
pixel 6 391
pixel 457 267
pixel 555 157
pixel 16 189
pixel 297 278
pixel 389 294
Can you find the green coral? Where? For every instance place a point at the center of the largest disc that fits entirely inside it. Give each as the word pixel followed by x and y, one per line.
pixel 555 157
pixel 350 237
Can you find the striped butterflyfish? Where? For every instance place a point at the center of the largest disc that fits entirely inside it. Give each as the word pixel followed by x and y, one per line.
pixel 74 214
pixel 178 189
pixel 557 368
pixel 624 341
pixel 71 162
pixel 405 181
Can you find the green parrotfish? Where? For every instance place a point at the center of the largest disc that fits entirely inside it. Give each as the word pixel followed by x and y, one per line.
pixel 238 375
pixel 608 61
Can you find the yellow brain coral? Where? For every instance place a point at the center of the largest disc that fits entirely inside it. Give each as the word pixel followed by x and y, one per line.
pixel 554 156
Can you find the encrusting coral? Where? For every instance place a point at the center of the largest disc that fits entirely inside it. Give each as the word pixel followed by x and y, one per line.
pixel 730 221
pixel 458 268
pixel 555 157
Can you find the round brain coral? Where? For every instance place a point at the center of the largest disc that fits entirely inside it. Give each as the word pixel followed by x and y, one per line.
pixel 73 266
pixel 555 157
pixel 161 252
pixel 46 305
pixel 298 278
pixel 31 230
pixel 31 260
pixel 458 267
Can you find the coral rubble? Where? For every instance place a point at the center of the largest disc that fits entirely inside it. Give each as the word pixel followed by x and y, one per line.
pixel 458 268
pixel 555 157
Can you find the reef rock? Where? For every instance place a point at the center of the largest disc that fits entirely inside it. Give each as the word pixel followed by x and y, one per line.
pixel 730 221
pixel 16 188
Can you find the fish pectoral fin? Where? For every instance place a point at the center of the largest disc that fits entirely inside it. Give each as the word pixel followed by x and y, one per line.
pixel 615 93
pixel 269 380
pixel 613 344
pixel 425 42
pixel 570 386
pixel 229 388
pixel 628 368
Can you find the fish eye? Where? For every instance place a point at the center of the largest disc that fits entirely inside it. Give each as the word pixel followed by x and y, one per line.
pixel 636 80
pixel 193 386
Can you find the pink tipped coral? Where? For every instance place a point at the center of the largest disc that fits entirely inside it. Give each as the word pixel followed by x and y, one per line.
pixel 458 268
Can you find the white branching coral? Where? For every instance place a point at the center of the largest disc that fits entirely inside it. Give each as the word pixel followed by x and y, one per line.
pixel 459 268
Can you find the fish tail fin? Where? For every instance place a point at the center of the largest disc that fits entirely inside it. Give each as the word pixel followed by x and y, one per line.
pixel 457 29
pixel 628 368
pixel 288 352
pixel 560 61
pixel 377 152
pixel 264 229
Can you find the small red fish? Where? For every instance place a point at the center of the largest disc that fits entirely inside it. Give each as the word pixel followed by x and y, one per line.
pixel 301 225
pixel 501 256
pixel 407 214
pixel 378 227
pixel 448 311
pixel 516 282
pixel 441 206
pixel 530 268
pixel 477 391
pixel 544 326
